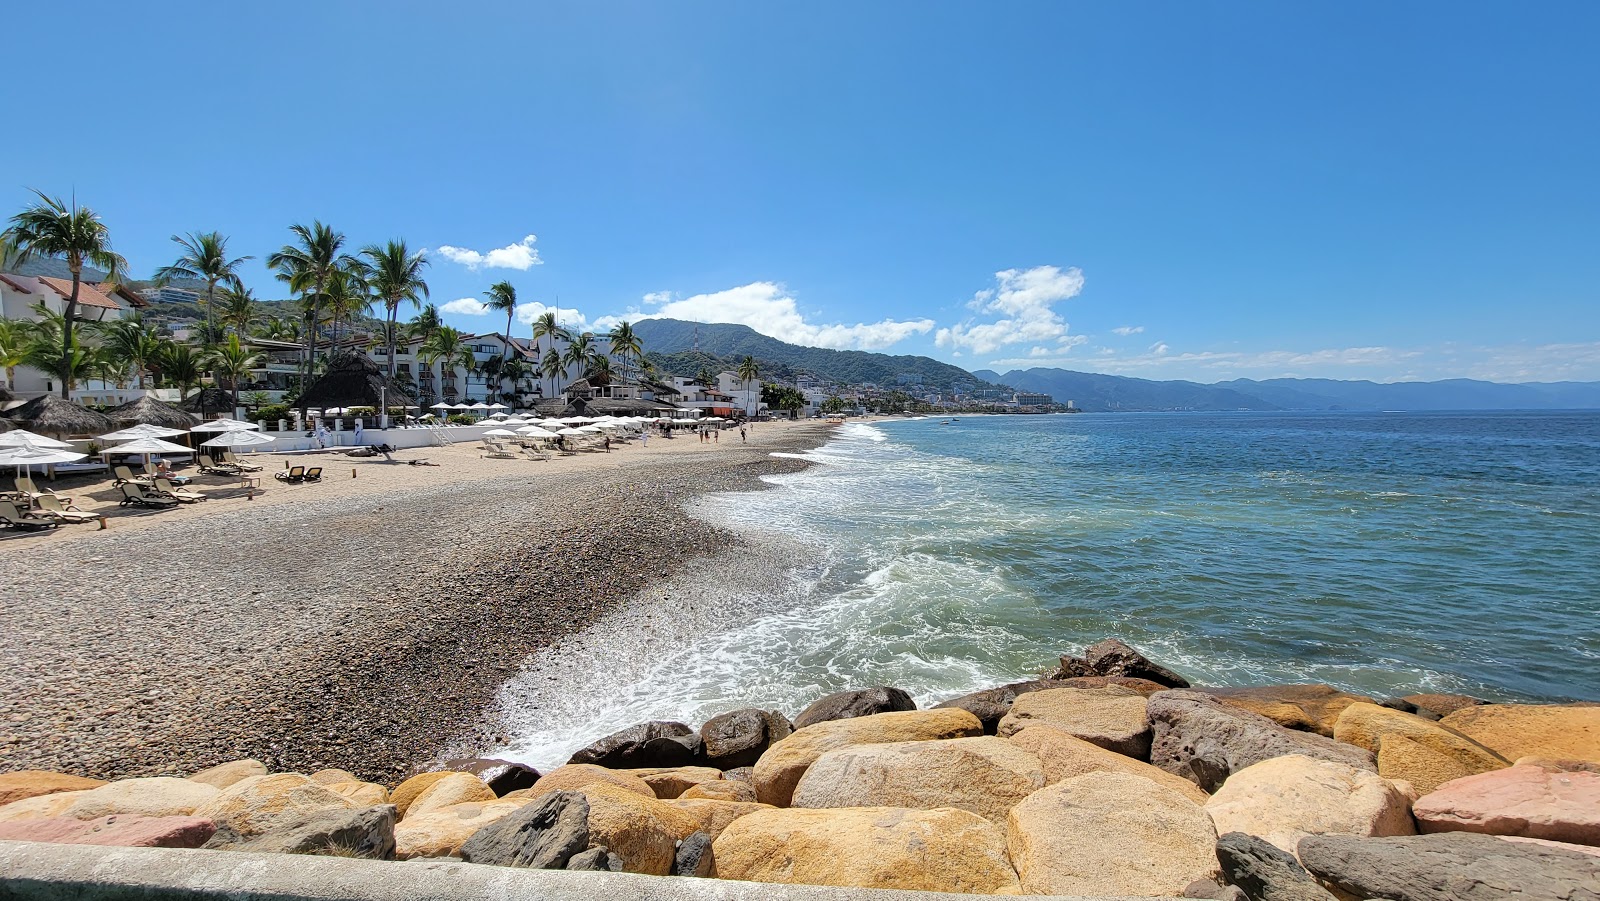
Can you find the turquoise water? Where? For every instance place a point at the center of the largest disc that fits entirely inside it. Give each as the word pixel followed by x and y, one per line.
pixel 1386 553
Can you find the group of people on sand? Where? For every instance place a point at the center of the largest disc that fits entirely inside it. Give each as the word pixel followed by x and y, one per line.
pixel 715 435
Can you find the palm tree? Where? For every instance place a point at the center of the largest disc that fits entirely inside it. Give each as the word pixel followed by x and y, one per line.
pixel 515 370
pixel 307 267
pixel 131 345
pixel 547 326
pixel 551 366
pixel 179 367
pixel 748 372
pixel 395 274
pixel 424 323
pixel 239 309
pixel 15 340
pixel 233 360
pixel 447 345
pixel 625 343
pixel 579 353
pixel 599 371
pixel 50 230
pixel 205 258
pixel 347 295
pixel 503 297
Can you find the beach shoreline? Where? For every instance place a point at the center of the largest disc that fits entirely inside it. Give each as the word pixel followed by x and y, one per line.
pixel 367 623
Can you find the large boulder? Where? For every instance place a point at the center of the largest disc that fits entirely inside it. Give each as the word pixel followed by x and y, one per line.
pixel 1114 658
pixel 1307 708
pixel 721 790
pixel 409 790
pixel 739 737
pixel 1112 717
pixel 1204 740
pixel 366 794
pixel 986 776
pixel 1142 686
pixel 991 704
pixel 844 705
pixel 156 796
pixel 867 847
pixel 670 782
pixel 1420 751
pixel 712 816
pixel 256 805
pixel 442 831
pixel 365 832
pixel 1110 834
pixel 652 744
pixel 1454 866
pixel 40 807
pixel 574 776
pixel 333 777
pixel 502 776
pixel 1531 730
pixel 694 857
pixel 542 835
pixel 454 788
pixel 1264 871
pixel 598 859
pixel 1441 705
pixel 780 768
pixel 1285 799
pixel 24 784
pixel 225 774
pixel 644 832
pixel 1064 756
pixel 1525 800
pixel 125 830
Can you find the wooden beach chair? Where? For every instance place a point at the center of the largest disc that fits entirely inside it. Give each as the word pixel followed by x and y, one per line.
pixel 182 495
pixel 51 506
pixel 314 474
pixel 124 475
pixel 15 517
pixel 33 492
pixel 212 464
pixel 293 474
pixel 135 495
pixel 242 466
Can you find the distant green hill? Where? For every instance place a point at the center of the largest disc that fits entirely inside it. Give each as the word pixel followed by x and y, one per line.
pixel 671 343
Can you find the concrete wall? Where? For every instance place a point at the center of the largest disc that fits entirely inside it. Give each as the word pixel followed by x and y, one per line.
pixel 297 441
pixel 35 871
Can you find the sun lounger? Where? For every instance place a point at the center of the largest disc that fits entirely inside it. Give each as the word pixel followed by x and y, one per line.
pixel 165 488
pixel 314 474
pixel 221 467
pixel 135 495
pixel 125 475
pixel 493 448
pixel 51 506
pixel 292 474
pixel 33 492
pixel 228 457
pixel 17 518
pixel 533 453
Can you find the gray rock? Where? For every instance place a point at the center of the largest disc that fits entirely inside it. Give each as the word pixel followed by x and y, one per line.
pixel 741 774
pixel 846 705
pixel 1205 741
pixel 991 704
pixel 736 739
pixel 599 859
pixel 502 776
pixel 649 744
pixel 1114 658
pixel 1265 872
pixel 1212 890
pixel 543 835
pixel 1451 866
pixel 694 856
pixel 367 832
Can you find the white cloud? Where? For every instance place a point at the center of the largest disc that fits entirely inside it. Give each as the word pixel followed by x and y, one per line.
pixel 569 318
pixel 1127 330
pixel 1159 348
pixel 520 255
pixel 658 297
pixel 1025 300
pixel 465 306
pixel 768 308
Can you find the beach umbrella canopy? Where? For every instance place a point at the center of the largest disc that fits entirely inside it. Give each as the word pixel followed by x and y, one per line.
pixel 54 416
pixel 26 439
pixel 441 405
pixel 570 432
pixel 224 425
pixel 149 411
pixel 498 406
pixel 142 430
pixel 500 433
pixel 239 438
pixel 480 405
pixel 148 446
pixel 588 430
pixel 37 456
pixel 533 431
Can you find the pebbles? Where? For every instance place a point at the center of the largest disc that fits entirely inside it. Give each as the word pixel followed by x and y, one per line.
pixel 326 633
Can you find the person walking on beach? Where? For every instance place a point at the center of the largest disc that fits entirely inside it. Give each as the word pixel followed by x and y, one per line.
pixel 608 444
pixel 741 435
pixel 716 435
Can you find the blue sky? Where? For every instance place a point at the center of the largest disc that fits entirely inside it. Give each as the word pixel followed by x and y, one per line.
pixel 1171 190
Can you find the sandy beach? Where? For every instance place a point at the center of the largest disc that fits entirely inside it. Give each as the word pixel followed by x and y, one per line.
pixel 365 622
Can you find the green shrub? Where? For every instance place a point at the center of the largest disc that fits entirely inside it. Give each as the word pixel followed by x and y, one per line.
pixel 273 412
pixel 458 419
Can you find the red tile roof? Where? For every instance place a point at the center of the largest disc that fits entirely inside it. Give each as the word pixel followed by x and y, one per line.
pixel 14 285
pixel 88 295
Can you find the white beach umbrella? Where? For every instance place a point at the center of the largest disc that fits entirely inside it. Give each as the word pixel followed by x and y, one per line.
pixel 588 430
pixel 498 406
pixel 142 430
pixel 30 440
pixel 224 425
pixel 533 431
pixel 480 405
pixel 499 433
pixel 550 423
pixel 239 438
pixel 570 432
pixel 460 407
pixel 148 446
pixel 37 456
pixel 441 405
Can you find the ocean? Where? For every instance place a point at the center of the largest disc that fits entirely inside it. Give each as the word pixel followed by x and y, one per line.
pixel 1386 553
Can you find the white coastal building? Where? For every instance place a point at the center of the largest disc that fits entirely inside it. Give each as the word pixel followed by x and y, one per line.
pixel 21 297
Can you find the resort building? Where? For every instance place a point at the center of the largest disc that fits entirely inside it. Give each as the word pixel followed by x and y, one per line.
pixel 22 296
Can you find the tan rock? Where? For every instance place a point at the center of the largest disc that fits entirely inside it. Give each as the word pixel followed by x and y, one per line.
pixel 574 776
pixel 713 815
pixel 1309 708
pixel 407 791
pixel 1064 756
pixel 1532 730
pixel 365 794
pixel 1442 704
pixel 454 788
pixel 441 832
pixel 156 796
pixel 986 776
pixel 1285 799
pixel 1112 717
pixel 24 784
pixel 670 782
pixel 1419 751
pixel 333 777
pixel 644 832
pixel 40 807
pixel 1526 800
pixel 251 806
pixel 721 790
pixel 225 774
pixel 867 847
pixel 1110 834
pixel 781 766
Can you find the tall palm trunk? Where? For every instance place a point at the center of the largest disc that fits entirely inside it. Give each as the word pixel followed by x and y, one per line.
pixel 66 332
pixel 311 345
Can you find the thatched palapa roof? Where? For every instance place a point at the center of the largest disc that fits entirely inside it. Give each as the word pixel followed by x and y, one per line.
pixel 50 415
pixel 354 380
pixel 208 400
pixel 149 411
